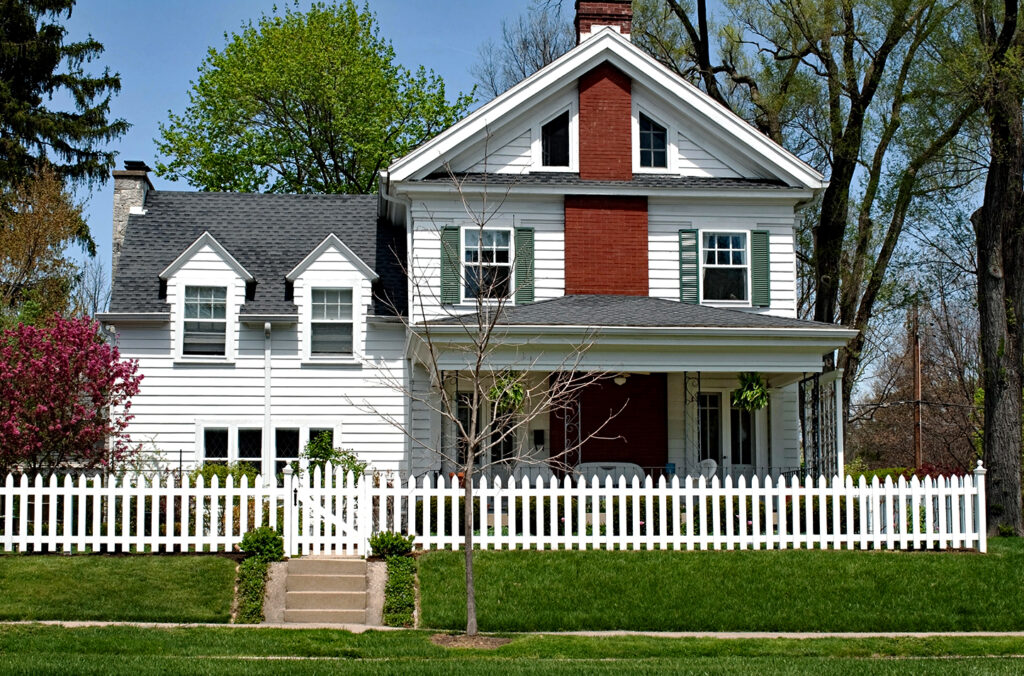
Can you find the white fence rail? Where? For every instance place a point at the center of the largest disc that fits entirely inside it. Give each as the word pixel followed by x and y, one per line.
pixel 333 513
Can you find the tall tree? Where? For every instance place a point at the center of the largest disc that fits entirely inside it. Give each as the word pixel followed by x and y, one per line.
pixel 999 230
pixel 304 101
pixel 527 43
pixel 37 64
pixel 39 220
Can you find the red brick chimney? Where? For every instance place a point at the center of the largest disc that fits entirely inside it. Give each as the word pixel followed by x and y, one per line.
pixel 592 16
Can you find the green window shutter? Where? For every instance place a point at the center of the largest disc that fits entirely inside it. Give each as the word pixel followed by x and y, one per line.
pixel 450 249
pixel 760 273
pixel 524 266
pixel 688 283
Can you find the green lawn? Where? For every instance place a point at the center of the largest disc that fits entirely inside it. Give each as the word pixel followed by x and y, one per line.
pixel 139 588
pixel 739 591
pixel 129 650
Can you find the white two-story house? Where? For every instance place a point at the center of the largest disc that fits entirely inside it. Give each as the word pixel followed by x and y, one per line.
pixel 625 208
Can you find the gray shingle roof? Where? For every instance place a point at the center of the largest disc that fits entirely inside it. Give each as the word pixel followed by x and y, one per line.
pixel 267 234
pixel 639 311
pixel 653 181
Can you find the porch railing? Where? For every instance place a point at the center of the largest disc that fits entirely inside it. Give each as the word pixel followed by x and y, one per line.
pixel 334 513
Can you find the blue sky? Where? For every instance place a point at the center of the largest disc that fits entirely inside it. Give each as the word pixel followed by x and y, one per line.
pixel 157 47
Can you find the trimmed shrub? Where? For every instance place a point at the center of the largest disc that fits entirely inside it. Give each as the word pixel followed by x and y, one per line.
pixel 252 582
pixel 400 592
pixel 208 470
pixel 263 544
pixel 388 543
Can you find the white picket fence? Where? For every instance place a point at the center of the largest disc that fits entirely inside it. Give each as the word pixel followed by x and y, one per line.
pixel 333 513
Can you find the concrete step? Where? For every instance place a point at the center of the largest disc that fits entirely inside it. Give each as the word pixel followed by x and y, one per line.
pixel 326 583
pixel 326 566
pixel 319 565
pixel 325 616
pixel 319 600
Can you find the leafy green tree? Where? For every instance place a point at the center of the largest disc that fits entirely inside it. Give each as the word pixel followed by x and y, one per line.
pixel 36 64
pixel 308 102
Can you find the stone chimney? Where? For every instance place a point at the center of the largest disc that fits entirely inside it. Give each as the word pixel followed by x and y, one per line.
pixel 593 16
pixel 131 185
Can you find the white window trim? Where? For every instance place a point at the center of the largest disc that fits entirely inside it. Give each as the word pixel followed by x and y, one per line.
pixel 269 451
pixel 671 145
pixel 178 285
pixel 470 301
pixel 537 146
pixel 700 272
pixel 352 321
pixel 303 293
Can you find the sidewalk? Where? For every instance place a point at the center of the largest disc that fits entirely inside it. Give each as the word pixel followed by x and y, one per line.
pixel 725 635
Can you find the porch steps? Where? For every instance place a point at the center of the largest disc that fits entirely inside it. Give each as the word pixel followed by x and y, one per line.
pixel 326 590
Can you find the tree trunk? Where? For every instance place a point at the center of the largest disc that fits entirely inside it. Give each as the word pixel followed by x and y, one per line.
pixel 997 228
pixel 467 521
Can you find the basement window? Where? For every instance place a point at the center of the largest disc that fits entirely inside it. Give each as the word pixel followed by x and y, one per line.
pixel 555 142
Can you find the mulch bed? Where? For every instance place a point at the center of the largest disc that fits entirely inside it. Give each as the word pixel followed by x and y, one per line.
pixel 463 641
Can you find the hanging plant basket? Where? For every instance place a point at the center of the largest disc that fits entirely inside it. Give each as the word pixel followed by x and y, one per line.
pixel 752 394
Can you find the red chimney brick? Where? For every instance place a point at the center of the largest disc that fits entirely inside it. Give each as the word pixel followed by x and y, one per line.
pixel 606 246
pixel 606 125
pixel 608 13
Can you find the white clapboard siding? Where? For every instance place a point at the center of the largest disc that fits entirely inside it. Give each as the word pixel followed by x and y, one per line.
pixel 695 160
pixel 545 216
pixel 513 157
pixel 330 511
pixel 666 217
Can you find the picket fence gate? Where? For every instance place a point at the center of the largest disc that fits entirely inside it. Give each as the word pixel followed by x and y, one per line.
pixel 331 512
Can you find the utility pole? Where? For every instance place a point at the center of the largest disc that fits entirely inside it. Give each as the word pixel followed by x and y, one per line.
pixel 915 328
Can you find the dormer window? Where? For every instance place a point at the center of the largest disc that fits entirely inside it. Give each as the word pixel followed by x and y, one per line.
pixel 725 266
pixel 653 143
pixel 331 322
pixel 554 138
pixel 488 260
pixel 205 327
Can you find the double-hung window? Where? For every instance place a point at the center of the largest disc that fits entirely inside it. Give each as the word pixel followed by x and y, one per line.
pixel 725 266
pixel 488 263
pixel 653 143
pixel 205 320
pixel 331 322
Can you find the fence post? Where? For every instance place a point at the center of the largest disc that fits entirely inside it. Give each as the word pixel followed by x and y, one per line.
pixel 289 516
pixel 364 511
pixel 979 507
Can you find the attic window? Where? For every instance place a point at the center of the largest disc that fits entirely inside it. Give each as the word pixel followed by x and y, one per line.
pixel 555 142
pixel 653 143
pixel 205 320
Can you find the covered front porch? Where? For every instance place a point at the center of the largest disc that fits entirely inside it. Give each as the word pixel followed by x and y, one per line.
pixel 658 397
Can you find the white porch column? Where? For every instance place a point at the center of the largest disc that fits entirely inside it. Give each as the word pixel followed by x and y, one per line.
pixel 676 412
pixel 840 456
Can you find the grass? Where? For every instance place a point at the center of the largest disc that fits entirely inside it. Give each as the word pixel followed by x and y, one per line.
pixel 730 591
pixel 129 588
pixel 227 650
pixel 400 591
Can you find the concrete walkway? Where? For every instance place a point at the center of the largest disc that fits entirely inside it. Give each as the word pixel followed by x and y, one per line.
pixel 360 628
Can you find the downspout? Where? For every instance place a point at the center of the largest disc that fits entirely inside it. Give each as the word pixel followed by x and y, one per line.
pixel 268 455
pixel 407 375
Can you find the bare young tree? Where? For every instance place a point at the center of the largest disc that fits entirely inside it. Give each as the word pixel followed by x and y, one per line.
pixel 91 293
pixel 528 43
pixel 485 399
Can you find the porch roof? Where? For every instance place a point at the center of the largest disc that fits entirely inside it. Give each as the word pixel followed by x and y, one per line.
pixel 623 333
pixel 639 311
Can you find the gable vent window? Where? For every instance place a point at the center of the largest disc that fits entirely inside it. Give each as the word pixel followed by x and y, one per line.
pixel 725 266
pixel 205 320
pixel 555 142
pixel 331 326
pixel 653 143
pixel 488 263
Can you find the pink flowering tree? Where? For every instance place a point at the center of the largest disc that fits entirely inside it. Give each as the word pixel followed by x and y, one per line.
pixel 64 392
